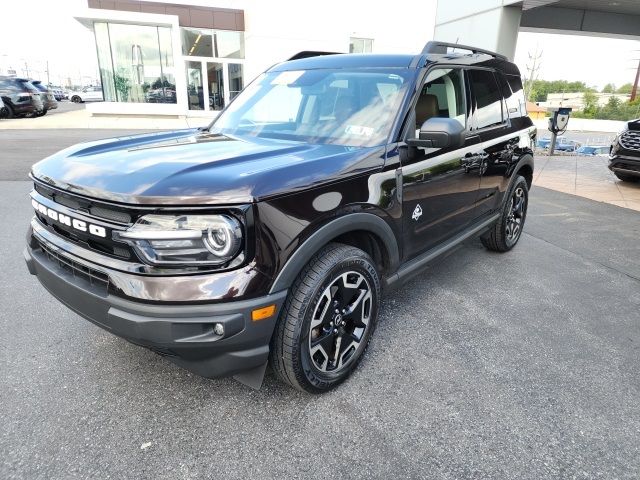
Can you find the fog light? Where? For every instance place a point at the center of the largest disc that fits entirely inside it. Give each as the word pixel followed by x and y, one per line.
pixel 218 329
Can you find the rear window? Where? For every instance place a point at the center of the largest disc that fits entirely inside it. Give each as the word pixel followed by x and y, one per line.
pixel 488 98
pixel 511 86
pixel 26 86
pixel 40 87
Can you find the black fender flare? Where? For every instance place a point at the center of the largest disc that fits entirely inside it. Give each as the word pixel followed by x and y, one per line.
pixel 525 159
pixel 323 235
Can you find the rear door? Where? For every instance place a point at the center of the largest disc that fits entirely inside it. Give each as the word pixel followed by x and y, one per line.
pixel 490 121
pixel 439 186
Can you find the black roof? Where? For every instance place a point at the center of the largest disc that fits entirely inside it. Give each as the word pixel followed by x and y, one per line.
pixel 372 60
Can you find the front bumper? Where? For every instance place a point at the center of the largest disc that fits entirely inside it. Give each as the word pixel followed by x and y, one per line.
pixel 183 333
pixel 626 164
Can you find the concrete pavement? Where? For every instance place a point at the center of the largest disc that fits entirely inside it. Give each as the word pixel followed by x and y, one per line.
pixel 586 177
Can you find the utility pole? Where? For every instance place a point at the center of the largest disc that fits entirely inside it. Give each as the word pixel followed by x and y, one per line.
pixel 48 82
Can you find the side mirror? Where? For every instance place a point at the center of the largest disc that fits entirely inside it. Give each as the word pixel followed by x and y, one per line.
pixel 439 133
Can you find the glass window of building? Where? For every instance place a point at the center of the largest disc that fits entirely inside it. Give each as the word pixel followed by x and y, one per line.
pixel 215 81
pixel 236 82
pixel 195 90
pixel 136 63
pixel 229 44
pixel 360 45
pixel 197 42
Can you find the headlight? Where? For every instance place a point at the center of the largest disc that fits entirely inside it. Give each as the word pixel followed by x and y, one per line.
pixel 189 240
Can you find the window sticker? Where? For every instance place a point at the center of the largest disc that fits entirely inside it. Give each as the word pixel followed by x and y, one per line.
pixel 286 78
pixel 359 130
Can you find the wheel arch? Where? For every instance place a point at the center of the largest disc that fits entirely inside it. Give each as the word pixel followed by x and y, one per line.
pixel 524 167
pixel 366 231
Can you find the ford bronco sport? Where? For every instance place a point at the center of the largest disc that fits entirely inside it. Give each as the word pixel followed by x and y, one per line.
pixel 270 235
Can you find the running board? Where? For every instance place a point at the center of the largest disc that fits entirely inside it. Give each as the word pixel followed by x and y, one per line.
pixel 415 265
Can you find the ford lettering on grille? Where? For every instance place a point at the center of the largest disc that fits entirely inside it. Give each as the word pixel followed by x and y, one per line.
pixel 74 223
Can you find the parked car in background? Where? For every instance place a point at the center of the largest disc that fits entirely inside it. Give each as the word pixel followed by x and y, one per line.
pixel 87 94
pixel 58 93
pixel 562 144
pixel 48 98
pixel 625 153
pixel 594 150
pixel 161 95
pixel 20 97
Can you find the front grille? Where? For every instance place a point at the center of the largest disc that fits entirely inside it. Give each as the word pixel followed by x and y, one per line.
pixel 97 279
pixel 108 214
pixel 92 211
pixel 630 140
pixel 77 203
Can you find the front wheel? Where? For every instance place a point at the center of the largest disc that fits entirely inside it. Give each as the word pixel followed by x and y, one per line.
pixel 506 232
pixel 328 319
pixel 76 99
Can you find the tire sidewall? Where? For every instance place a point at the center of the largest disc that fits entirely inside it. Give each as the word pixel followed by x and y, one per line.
pixel 312 376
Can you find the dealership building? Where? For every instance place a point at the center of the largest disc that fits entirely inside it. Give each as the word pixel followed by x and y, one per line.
pixel 179 58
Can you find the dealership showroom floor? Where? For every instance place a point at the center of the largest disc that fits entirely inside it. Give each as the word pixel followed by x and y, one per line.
pixel 521 365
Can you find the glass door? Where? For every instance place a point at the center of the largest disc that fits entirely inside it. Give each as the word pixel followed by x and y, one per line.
pixel 195 87
pixel 215 82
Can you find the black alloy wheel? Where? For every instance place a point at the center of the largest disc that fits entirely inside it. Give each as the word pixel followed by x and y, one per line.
pixel 515 218
pixel 506 232
pixel 340 322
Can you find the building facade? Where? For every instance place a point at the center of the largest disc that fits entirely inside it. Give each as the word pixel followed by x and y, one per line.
pixel 177 58
pixel 575 100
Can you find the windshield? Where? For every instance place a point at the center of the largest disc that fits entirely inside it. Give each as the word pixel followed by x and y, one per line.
pixel 343 107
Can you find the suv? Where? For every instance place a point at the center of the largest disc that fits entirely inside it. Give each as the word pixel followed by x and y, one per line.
pixel 20 97
pixel 624 159
pixel 48 98
pixel 87 94
pixel 272 233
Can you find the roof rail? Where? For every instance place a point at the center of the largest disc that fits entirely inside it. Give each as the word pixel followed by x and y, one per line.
pixel 441 47
pixel 310 53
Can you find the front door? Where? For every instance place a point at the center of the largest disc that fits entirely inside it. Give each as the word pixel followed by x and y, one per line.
pixel 440 186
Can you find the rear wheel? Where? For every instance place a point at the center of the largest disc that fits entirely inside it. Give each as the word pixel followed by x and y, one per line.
pixel 627 178
pixel 8 111
pixel 328 319
pixel 76 99
pixel 504 235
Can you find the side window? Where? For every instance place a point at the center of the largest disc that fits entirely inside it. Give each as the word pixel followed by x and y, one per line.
pixel 513 92
pixel 443 96
pixel 488 98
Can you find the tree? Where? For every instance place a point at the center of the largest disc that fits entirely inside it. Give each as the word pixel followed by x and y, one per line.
pixel 590 104
pixel 626 88
pixel 609 88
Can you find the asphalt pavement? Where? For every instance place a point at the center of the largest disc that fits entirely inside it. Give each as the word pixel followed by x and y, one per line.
pixel 522 365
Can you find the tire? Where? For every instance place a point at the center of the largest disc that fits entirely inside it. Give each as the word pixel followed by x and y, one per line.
pixel 627 178
pixel 337 279
pixel 9 113
pixel 506 232
pixel 76 99
pixel 41 113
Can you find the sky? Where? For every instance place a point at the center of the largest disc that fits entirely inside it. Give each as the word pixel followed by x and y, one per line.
pixel 55 36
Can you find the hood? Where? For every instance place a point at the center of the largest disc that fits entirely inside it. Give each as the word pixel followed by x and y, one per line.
pixel 195 167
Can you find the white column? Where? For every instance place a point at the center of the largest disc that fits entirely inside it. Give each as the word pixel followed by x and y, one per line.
pixel 488 24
